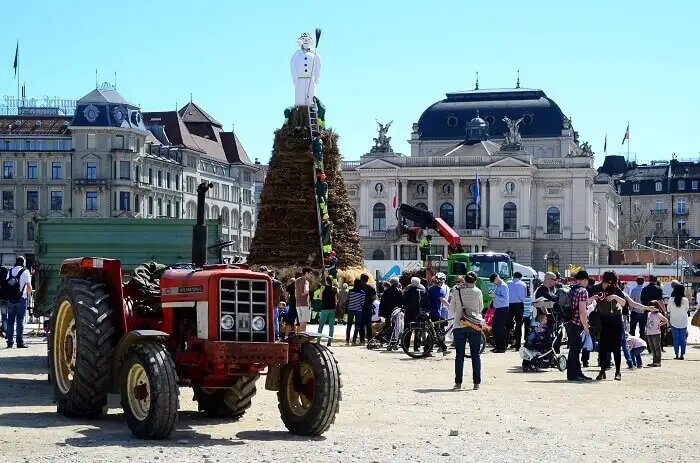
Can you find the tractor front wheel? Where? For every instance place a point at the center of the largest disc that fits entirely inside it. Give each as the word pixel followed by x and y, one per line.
pixel 309 394
pixel 227 403
pixel 149 391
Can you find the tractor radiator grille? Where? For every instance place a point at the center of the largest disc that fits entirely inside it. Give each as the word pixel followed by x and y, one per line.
pixel 244 300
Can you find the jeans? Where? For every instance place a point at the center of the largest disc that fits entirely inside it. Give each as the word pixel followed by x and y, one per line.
pixel 461 337
pixel 515 320
pixel 626 350
pixel 573 364
pixel 15 317
pixel 327 316
pixel 500 320
pixel 638 318
pixel 679 340
pixel 356 319
pixel 367 322
pixel 654 344
pixel 637 355
pixel 526 323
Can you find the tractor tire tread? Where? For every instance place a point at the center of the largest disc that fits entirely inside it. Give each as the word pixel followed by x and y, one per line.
pixel 228 403
pixel 95 348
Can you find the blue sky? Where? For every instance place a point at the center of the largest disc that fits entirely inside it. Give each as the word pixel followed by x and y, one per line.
pixel 604 63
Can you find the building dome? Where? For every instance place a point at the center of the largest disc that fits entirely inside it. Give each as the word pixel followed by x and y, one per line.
pixel 105 107
pixel 447 119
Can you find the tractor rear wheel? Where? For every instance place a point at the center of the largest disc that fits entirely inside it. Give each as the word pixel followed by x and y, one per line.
pixel 149 391
pixel 81 347
pixel 227 403
pixel 309 394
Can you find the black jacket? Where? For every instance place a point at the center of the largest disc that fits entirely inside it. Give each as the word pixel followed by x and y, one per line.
pixel 651 292
pixel 391 299
pixel 411 301
pixel 370 296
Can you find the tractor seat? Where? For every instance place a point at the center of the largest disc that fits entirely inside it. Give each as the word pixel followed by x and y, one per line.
pixel 144 289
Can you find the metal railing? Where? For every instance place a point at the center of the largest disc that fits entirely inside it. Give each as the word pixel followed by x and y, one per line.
pixel 509 234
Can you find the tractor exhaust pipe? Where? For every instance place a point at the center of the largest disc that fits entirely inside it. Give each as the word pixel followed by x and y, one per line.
pixel 199 233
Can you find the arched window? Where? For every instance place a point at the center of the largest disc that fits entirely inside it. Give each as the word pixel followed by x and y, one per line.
pixel 472 216
pixel 422 206
pixel 379 217
pixel 234 218
pixel 378 255
pixel 510 217
pixel 224 217
pixel 215 212
pixel 206 212
pixel 447 213
pixel 191 210
pixel 247 221
pixel 552 262
pixel 553 221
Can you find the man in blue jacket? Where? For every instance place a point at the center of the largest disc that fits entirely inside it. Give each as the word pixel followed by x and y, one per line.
pixel 501 302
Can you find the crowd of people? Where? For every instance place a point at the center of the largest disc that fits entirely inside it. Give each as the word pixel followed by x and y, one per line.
pixel 597 316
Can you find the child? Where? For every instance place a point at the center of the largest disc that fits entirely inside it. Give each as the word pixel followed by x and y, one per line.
pixel 538 338
pixel 636 346
pixel 653 331
pixel 280 318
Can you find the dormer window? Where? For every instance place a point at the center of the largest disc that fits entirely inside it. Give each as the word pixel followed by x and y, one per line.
pixel 635 187
pixel 681 185
pixel 658 186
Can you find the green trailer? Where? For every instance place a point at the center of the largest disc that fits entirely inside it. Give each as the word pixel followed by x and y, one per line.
pixel 132 241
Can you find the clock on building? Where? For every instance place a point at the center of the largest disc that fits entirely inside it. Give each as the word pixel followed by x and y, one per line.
pixel 510 187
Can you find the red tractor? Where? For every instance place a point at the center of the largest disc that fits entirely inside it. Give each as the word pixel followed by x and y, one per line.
pixel 210 327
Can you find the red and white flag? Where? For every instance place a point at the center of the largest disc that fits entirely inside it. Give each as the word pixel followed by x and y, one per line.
pixel 627 134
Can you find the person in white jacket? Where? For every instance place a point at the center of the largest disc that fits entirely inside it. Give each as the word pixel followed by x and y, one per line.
pixel 306 70
pixel 678 307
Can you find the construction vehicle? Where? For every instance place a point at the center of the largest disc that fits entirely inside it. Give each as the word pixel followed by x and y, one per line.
pixel 458 262
pixel 209 327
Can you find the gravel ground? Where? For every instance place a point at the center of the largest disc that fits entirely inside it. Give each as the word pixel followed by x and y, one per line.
pixel 394 409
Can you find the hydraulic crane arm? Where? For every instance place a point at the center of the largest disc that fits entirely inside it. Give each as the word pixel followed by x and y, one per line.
pixel 426 219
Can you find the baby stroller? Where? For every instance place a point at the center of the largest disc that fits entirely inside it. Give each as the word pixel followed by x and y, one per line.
pixel 390 334
pixel 539 352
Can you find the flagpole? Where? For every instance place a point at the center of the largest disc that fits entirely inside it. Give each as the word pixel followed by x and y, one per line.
pixel 17 76
pixel 628 142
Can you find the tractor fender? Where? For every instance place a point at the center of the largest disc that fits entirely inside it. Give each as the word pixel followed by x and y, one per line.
pixel 125 343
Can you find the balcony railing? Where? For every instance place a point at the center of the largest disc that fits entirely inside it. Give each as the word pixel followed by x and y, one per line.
pixel 659 211
pixel 552 236
pixel 683 212
pixel 90 182
pixel 471 232
pixel 378 234
pixel 509 234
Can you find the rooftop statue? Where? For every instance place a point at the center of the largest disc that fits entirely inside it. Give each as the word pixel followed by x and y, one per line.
pixel 512 137
pixel 382 142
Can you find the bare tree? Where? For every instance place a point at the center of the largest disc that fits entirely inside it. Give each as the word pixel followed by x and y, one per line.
pixel 637 227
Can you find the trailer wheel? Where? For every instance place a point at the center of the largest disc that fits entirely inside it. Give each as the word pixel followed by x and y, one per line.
pixel 149 391
pixel 81 347
pixel 227 403
pixel 309 394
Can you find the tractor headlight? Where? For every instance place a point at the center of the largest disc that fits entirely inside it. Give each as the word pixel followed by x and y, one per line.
pixel 258 323
pixel 227 322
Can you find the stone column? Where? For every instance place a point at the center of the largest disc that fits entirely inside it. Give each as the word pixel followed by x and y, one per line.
pixel 404 192
pixel 495 215
pixel 431 197
pixel 458 204
pixel 526 216
pixel 364 207
pixel 482 205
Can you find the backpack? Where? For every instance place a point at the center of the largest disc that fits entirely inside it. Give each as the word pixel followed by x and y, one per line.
pixel 426 304
pixel 12 292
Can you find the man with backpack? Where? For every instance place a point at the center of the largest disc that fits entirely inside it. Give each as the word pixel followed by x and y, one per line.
pixel 17 288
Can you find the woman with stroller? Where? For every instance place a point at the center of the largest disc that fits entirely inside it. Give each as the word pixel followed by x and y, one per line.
pixel 466 305
pixel 609 302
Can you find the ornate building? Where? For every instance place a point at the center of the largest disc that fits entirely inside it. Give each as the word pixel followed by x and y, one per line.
pixel 505 168
pixel 112 160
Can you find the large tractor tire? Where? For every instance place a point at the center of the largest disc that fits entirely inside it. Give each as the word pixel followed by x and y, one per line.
pixel 81 347
pixel 227 403
pixel 309 394
pixel 149 391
